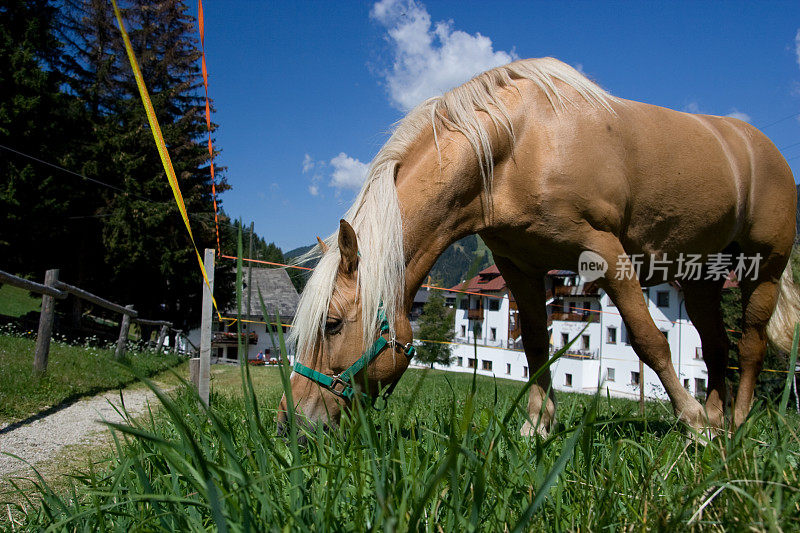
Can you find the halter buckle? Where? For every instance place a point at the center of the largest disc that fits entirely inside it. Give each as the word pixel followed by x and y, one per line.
pixel 336 380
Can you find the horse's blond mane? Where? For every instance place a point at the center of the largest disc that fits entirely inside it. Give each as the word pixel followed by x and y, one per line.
pixel 375 214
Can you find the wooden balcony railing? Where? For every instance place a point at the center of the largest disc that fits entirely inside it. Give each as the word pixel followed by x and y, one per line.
pixel 576 290
pixel 571 317
pixel 224 338
pixel 475 314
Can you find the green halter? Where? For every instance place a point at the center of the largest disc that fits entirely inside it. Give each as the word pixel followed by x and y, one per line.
pixel 341 384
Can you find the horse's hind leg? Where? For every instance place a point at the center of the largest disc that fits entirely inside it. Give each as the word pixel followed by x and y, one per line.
pixel 529 293
pixel 758 303
pixel 703 299
pixel 647 340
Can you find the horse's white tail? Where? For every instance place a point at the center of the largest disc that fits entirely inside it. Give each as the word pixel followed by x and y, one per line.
pixel 780 328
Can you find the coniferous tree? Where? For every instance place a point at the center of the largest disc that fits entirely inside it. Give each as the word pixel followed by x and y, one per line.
pixel 435 324
pixel 36 119
pixel 93 70
pixel 146 241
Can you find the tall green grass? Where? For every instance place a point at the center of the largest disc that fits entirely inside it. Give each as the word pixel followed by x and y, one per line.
pixel 445 455
pixel 438 457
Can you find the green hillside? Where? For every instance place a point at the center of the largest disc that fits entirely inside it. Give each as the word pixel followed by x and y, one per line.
pixel 451 268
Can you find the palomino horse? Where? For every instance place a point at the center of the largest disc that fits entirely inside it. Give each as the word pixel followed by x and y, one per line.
pixel 544 165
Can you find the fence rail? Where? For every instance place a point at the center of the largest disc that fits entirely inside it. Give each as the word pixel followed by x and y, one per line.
pixel 55 289
pixel 89 297
pixel 32 286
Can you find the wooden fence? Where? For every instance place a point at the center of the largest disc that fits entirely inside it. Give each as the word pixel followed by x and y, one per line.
pixel 53 289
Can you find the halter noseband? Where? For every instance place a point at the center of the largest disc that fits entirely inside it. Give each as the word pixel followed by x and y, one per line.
pixel 341 384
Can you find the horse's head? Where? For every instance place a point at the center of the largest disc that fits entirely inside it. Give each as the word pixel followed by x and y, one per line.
pixel 341 363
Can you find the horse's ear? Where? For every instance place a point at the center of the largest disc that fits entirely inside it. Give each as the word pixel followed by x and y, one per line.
pixel 348 246
pixel 322 245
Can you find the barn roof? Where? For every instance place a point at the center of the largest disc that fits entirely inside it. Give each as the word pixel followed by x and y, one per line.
pixel 276 289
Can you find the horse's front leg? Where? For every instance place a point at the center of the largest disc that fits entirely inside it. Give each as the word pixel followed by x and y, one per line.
pixel 529 293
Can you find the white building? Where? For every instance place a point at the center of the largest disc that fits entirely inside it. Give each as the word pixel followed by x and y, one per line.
pixel 600 351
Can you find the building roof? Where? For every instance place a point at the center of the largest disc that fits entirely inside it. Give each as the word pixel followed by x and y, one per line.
pixel 487 280
pixel 276 290
pixel 730 281
pixel 561 273
pixel 421 296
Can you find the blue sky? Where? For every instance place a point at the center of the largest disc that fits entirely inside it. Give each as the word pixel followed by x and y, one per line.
pixel 305 92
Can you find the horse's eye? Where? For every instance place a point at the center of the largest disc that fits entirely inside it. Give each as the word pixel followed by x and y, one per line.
pixel 333 326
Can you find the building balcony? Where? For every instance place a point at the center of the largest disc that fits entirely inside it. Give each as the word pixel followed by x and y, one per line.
pixel 576 290
pixel 577 353
pixel 225 338
pixel 571 317
pixel 475 314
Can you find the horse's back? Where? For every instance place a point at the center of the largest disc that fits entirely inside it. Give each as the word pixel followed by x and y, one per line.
pixel 699 181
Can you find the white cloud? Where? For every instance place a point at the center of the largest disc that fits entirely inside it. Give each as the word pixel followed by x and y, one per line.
pixel 308 163
pixel 692 107
pixel 315 168
pixel 797 46
pixel 738 114
pixel 430 59
pixel 348 173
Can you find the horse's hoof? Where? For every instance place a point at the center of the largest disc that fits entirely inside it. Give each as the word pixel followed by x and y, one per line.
pixel 529 430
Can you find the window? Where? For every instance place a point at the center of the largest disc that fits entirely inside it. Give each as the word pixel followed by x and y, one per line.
pixel 493 334
pixel 524 371
pixel 463 331
pixel 585 342
pixel 611 374
pixel 568 380
pixel 587 306
pixel 471 362
pixel 700 387
pixel 686 383
pixel 494 304
pixel 464 304
pixel 662 298
pixel 508 368
pixel 698 353
pixel 625 337
pixel 564 339
pixel 487 365
pixel 666 333
pixel 635 378
pixel 460 361
pixel 611 336
pixel 478 330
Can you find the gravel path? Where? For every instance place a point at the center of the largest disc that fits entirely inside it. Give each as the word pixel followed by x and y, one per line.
pixel 43 439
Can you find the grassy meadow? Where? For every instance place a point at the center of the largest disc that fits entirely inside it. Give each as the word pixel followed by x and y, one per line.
pixel 17 302
pixel 440 457
pixel 72 371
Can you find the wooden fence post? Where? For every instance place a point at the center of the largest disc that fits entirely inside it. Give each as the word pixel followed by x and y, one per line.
pixel 45 325
pixel 162 335
pixel 205 328
pixel 177 339
pixel 194 371
pixel 641 387
pixel 123 334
